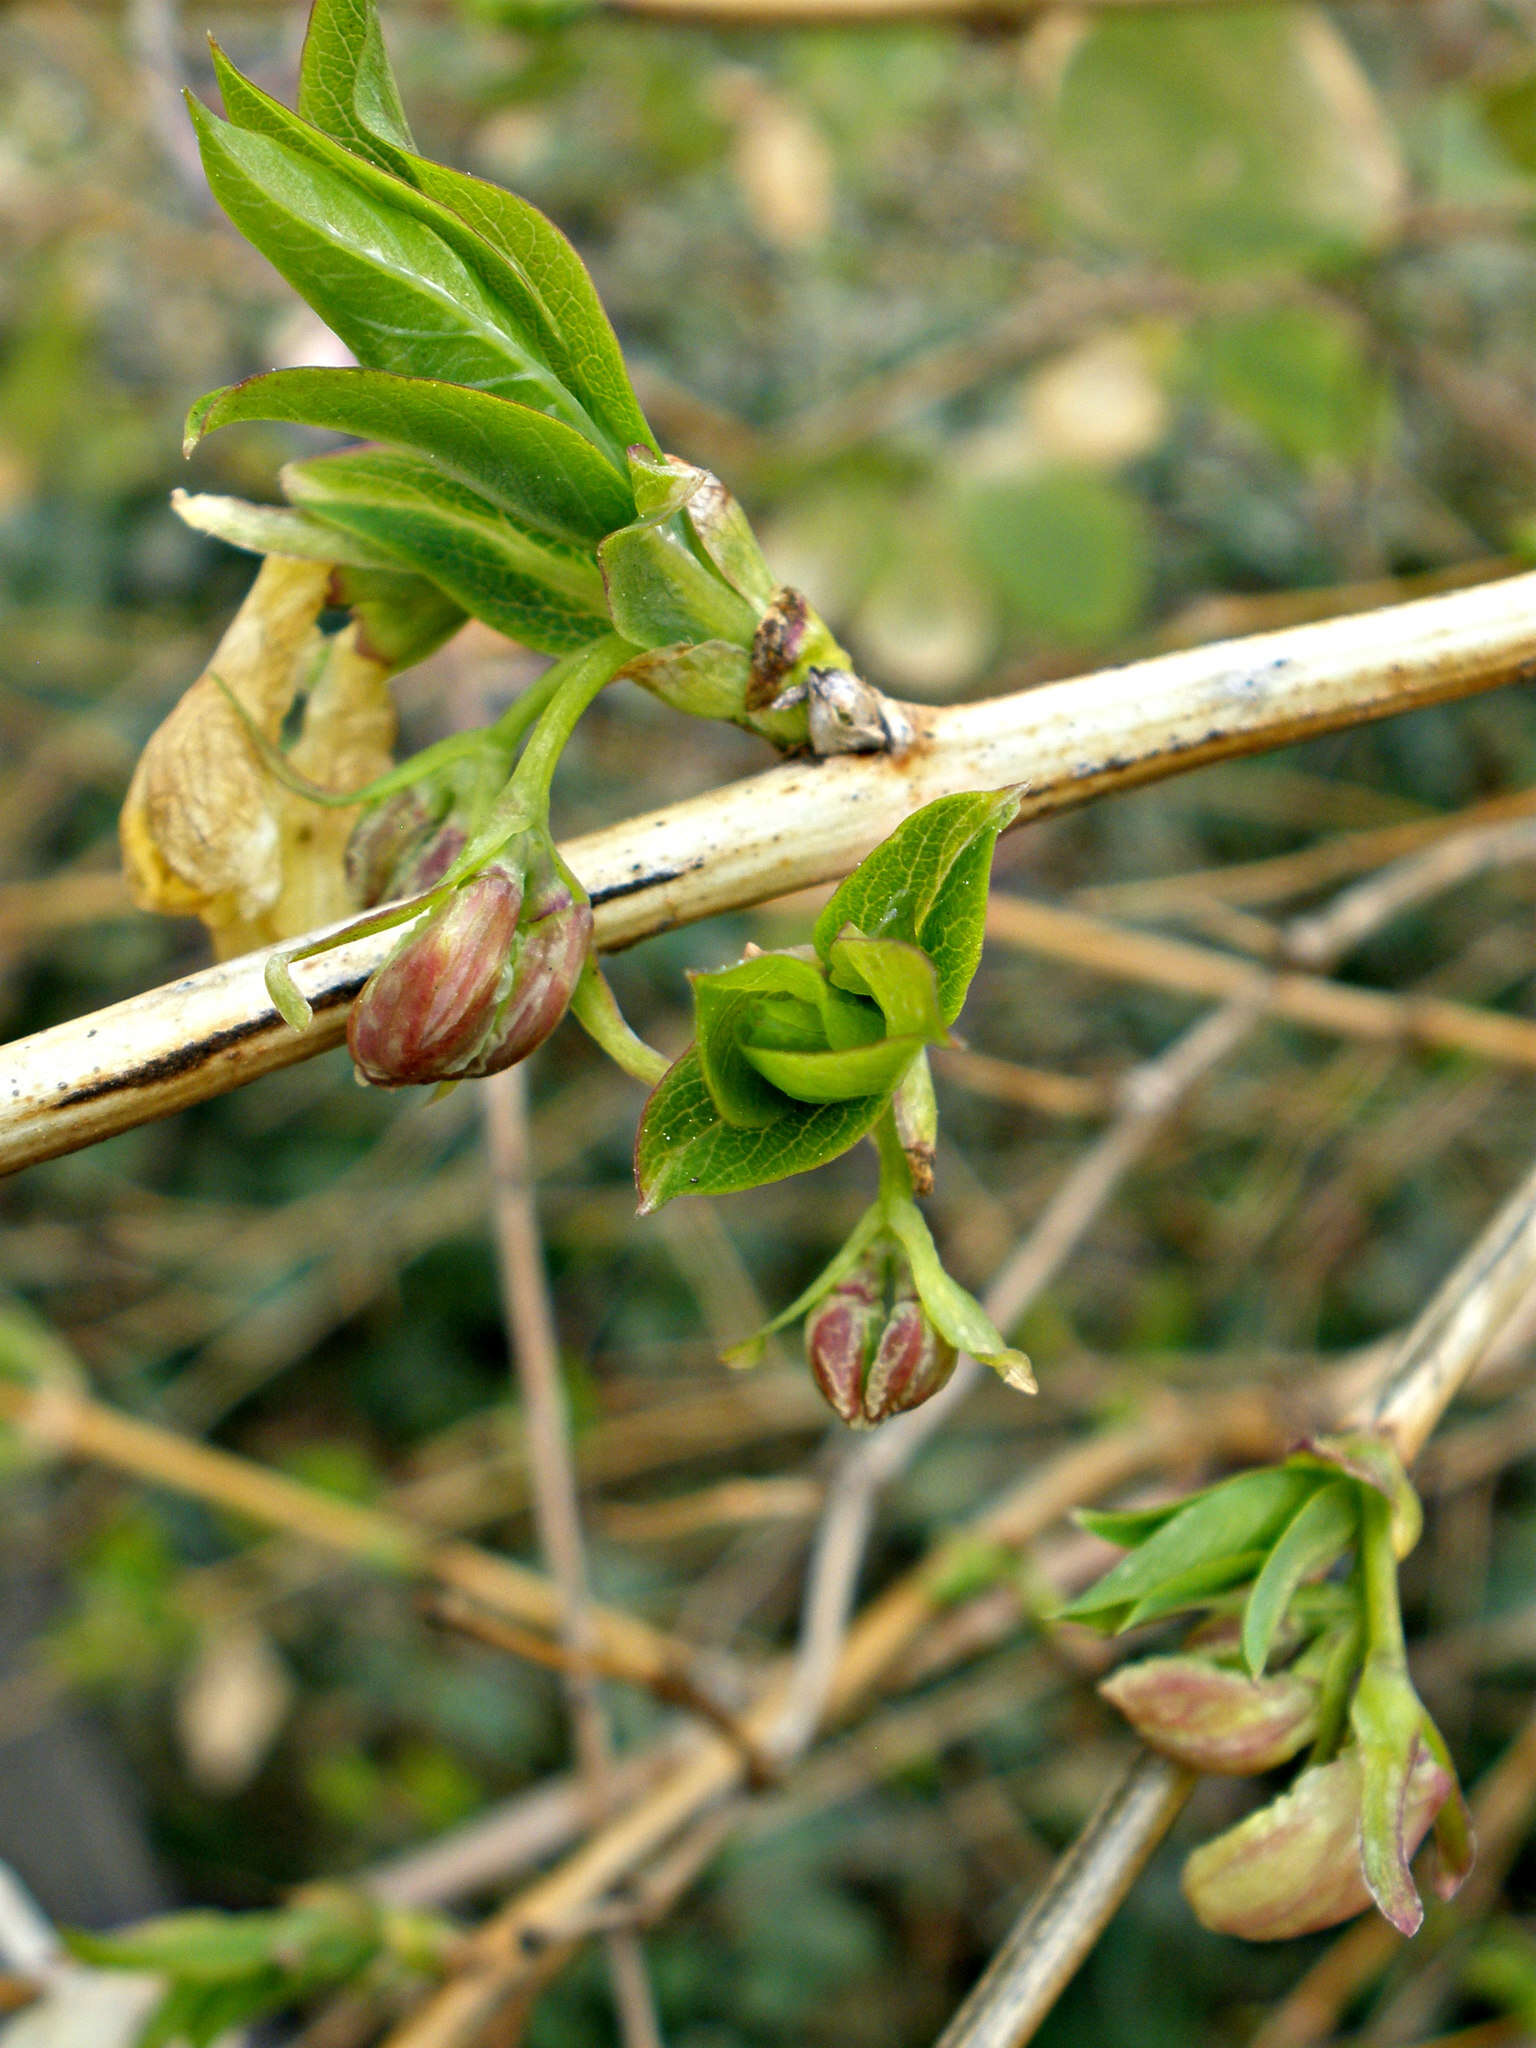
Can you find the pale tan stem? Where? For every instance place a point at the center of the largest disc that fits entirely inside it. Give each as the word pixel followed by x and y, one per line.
pixel 552 1484
pixel 806 822
pixel 1041 1953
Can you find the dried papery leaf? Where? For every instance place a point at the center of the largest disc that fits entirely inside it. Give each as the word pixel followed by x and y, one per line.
pixel 206 829
pixel 345 742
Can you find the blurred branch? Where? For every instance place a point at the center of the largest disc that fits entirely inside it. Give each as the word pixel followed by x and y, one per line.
pixel 62 1419
pixel 552 1483
pixel 1287 875
pixel 503 1952
pixel 805 822
pixel 1309 999
pixel 1042 1951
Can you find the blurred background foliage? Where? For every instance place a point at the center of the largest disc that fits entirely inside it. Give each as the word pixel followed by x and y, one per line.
pixel 1031 345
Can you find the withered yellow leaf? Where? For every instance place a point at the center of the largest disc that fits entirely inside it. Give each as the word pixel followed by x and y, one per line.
pixel 207 830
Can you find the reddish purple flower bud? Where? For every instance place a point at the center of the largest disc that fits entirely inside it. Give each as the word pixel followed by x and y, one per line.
pixel 842 1335
pixel 428 1011
pixel 872 1349
pixel 1213 1718
pixel 552 946
pixel 397 846
pixel 1294 1866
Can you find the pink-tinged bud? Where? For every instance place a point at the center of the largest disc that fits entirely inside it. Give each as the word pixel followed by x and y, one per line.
pixel 872 1349
pixel 551 950
pixel 428 1011
pixel 842 1335
pixel 913 1360
pixel 1213 1718
pixel 396 847
pixel 1294 1866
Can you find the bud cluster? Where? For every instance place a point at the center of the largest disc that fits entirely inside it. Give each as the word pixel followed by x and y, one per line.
pixel 873 1349
pixel 483 979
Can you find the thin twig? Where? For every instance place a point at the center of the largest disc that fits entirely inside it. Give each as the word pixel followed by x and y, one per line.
pixel 556 1506
pixel 802 823
pixel 64 1420
pixel 1309 999
pixel 1042 1951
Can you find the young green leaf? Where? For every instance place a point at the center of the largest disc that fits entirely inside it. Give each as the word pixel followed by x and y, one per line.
pixel 1192 1588
pixel 535 589
pixel 927 884
pixel 1241 1516
pixel 659 591
pixel 276 530
pixel 530 266
pixel 394 291
pixel 346 88
pixel 685 1147
pixel 1323 1527
pixel 545 474
pixel 725 1004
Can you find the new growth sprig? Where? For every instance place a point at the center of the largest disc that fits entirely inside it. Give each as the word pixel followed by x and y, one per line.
pixel 513 476
pixel 798 1055
pixel 506 473
pixel 1294 1656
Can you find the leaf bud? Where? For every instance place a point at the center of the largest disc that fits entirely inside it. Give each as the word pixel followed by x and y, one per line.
pixel 872 1347
pixel 1213 1718
pixel 1295 1865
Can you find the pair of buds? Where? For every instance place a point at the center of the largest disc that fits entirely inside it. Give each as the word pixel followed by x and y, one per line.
pixel 872 1346
pixel 484 978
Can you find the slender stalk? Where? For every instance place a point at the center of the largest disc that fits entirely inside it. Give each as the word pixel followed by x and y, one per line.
pixel 551 1465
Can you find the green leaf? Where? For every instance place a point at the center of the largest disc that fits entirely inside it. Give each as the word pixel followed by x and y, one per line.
pixel 1301 377
pixel 927 885
pixel 1240 1516
pixel 203 1947
pixel 1068 553
pixel 957 1315
pixel 685 1147
pixel 530 267
pixel 659 591
pixel 1193 1588
pixel 1387 1718
pixel 836 1076
pixel 346 87
pixel 1320 1530
pixel 530 587
pixel 1130 1526
pixel 543 472
pixel 1224 139
pixel 724 1003
pixel 394 291
pixel 276 530
pixel 897 976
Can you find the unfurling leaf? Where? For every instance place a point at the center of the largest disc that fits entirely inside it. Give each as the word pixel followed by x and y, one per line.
pixel 1211 1718
pixel 206 829
pixel 1295 1865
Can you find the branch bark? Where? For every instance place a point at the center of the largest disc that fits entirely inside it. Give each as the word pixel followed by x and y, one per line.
pixel 802 823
